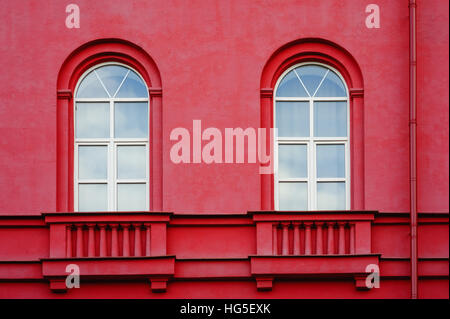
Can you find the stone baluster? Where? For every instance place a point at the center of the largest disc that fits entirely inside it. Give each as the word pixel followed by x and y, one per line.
pixel 79 249
pixel 285 242
pixel 69 241
pixel 126 240
pixel 296 239
pixel 341 238
pixel 330 244
pixel 352 238
pixel 319 236
pixel 307 238
pixel 147 239
pixel 114 240
pixel 137 240
pixel 102 240
pixel 91 240
pixel 275 239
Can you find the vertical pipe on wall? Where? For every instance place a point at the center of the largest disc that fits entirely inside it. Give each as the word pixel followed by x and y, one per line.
pixel 412 144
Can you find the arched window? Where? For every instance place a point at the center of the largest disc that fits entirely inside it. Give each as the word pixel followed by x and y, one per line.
pixel 312 157
pixel 111 165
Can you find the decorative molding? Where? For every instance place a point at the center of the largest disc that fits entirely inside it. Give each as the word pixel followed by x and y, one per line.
pixel 58 285
pixel 156 269
pixel 264 283
pixel 64 94
pixel 356 92
pixel 155 92
pixel 159 284
pixel 360 282
pixel 266 92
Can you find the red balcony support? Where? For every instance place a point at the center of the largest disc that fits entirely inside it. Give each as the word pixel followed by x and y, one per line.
pixel 341 238
pixel 319 236
pixel 274 239
pixel 296 239
pixel 126 240
pixel 69 241
pixel 352 239
pixel 79 240
pixel 137 240
pixel 102 240
pixel 114 240
pixel 285 242
pixel 330 245
pixel 91 240
pixel 147 239
pixel 307 238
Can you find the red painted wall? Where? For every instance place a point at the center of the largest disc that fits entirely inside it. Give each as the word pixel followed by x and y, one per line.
pixel 210 55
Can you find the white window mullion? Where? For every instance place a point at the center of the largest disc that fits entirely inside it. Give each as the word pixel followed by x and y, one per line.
pixel 111 161
pixel 147 175
pixel 75 177
pixel 276 179
pixel 347 176
pixel 314 175
pixel 311 158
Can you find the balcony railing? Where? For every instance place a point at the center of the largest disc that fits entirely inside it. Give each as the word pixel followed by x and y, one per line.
pixel 307 243
pixel 116 241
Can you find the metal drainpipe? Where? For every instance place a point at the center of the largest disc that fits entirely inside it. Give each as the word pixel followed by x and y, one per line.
pixel 412 144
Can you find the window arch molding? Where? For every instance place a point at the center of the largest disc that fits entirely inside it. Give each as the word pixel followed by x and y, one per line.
pixel 313 50
pixel 78 63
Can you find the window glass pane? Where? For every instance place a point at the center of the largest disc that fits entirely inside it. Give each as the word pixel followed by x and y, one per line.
pixel 293 196
pixel 330 160
pixel 292 119
pixel 92 197
pixel 133 86
pixel 92 120
pixel 91 87
pixel 331 195
pixel 330 119
pixel 111 76
pixel 131 119
pixel 131 197
pixel 131 162
pixel 311 75
pixel 290 86
pixel 92 162
pixel 292 161
pixel 332 86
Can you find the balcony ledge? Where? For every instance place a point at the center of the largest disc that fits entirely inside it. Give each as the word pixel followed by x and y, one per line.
pixel 156 269
pixel 267 268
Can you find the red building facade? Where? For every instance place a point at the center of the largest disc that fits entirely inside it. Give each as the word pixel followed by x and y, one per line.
pixel 224 229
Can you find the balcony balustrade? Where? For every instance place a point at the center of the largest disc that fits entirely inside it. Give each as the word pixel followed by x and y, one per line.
pixel 102 245
pixel 133 245
pixel 302 244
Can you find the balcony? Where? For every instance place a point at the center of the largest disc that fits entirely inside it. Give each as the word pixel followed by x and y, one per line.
pixel 108 246
pixel 133 246
pixel 311 244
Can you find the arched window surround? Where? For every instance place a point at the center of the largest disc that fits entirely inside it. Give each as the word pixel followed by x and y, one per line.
pixel 78 63
pixel 313 50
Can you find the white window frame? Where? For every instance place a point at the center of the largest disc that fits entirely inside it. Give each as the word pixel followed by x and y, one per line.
pixel 112 181
pixel 311 142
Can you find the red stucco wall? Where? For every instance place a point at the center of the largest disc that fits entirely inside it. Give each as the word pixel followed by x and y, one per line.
pixel 211 55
